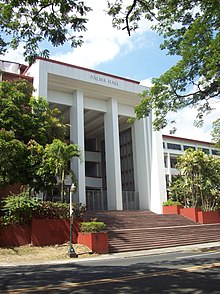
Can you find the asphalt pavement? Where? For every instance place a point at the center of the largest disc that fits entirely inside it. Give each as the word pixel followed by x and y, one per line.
pixel 179 270
pixel 197 247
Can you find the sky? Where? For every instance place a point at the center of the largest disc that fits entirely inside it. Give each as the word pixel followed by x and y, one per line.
pixel 137 57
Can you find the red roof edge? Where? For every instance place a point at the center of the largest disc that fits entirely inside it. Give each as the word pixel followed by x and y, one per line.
pixel 84 68
pixel 186 139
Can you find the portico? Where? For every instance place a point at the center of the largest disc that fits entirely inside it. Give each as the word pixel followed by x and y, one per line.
pixel 120 166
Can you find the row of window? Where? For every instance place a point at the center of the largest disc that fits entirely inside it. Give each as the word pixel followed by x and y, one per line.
pixel 174 146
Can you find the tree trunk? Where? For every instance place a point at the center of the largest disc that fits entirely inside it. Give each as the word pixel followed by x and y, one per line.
pixel 62 185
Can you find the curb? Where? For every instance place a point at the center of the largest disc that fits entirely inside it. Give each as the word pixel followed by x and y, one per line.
pixel 130 254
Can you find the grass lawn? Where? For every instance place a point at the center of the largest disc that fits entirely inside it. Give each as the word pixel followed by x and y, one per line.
pixel 31 254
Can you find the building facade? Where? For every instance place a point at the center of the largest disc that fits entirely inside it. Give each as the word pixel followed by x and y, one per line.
pixel 126 166
pixel 122 161
pixel 175 146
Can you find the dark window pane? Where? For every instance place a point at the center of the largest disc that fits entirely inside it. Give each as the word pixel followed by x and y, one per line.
pixel 173 146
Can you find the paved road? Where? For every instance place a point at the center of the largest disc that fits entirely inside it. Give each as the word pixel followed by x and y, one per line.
pixel 186 272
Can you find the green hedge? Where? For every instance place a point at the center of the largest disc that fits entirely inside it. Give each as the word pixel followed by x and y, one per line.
pixel 49 209
pixel 91 227
pixel 171 202
pixel 19 209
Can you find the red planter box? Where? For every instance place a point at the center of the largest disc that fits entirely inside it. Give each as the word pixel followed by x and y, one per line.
pixel 97 242
pixel 52 231
pixel 41 232
pixel 208 217
pixel 15 235
pixel 191 213
pixel 172 209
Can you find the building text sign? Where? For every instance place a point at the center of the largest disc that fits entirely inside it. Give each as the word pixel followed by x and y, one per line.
pixel 104 80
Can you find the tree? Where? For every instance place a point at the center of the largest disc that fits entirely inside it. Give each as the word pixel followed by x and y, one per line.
pixel 57 158
pixel 216 133
pixel 199 180
pixel 12 160
pixel 26 125
pixel 191 30
pixel 27 116
pixel 40 178
pixel 33 21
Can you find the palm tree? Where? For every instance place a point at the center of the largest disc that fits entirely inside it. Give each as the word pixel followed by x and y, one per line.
pixel 58 156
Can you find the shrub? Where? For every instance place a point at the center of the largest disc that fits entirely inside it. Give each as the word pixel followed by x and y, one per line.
pixel 49 209
pixel 171 202
pixel 91 227
pixel 18 209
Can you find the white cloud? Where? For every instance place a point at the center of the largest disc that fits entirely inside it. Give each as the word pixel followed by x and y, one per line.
pixel 185 119
pixel 14 55
pixel 91 54
pixel 102 42
pixel 147 82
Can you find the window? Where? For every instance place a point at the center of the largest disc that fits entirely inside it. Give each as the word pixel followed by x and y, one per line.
pixel 165 160
pixel 167 181
pixel 173 146
pixel 185 147
pixel 215 152
pixel 173 162
pixel 205 150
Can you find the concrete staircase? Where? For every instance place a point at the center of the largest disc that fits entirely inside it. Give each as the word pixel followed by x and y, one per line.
pixel 141 230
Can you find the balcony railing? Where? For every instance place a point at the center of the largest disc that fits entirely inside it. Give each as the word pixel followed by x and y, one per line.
pixel 130 200
pixel 97 200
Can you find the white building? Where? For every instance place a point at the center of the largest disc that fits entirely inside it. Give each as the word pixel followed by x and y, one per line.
pixel 175 146
pixel 122 166
pixel 126 166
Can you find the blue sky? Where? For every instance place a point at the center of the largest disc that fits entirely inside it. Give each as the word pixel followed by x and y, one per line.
pixel 136 57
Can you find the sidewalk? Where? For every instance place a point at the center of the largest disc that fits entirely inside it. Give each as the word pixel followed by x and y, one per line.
pixel 197 247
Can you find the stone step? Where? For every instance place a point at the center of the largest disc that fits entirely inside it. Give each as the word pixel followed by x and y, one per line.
pixel 150 239
pixel 143 230
pixel 141 219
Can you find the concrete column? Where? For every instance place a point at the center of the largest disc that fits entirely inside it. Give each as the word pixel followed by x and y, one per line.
pixel 112 153
pixel 158 181
pixel 168 166
pixel 40 73
pixel 142 161
pixel 77 137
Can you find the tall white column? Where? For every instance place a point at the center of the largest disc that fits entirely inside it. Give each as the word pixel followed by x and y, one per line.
pixel 142 161
pixel 112 153
pixel 158 181
pixel 40 73
pixel 77 137
pixel 168 166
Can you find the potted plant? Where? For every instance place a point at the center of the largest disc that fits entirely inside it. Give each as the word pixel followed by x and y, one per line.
pixel 172 207
pixel 94 235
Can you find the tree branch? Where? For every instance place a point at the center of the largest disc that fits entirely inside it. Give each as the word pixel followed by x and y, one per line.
pixel 145 6
pixel 127 17
pixel 39 11
pixel 130 11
